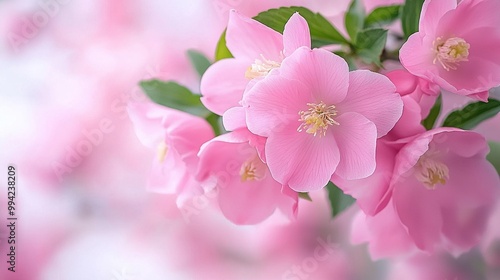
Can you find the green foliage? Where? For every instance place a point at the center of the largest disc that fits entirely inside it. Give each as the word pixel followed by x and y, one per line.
pixel 354 19
pixel 410 16
pixel 494 155
pixel 305 196
pixel 199 61
pixel 175 96
pixel 322 31
pixel 221 50
pixel 370 43
pixel 429 122
pixel 338 200
pixel 382 16
pixel 473 114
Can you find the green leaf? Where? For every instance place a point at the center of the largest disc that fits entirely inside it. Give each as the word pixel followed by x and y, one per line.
pixel 305 196
pixel 429 122
pixel 338 200
pixel 175 96
pixel 382 16
pixel 199 61
pixel 322 31
pixel 354 19
pixel 216 122
pixel 370 44
pixel 473 114
pixel 351 61
pixel 494 155
pixel 410 16
pixel 221 50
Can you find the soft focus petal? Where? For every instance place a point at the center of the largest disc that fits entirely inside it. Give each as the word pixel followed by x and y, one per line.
pixel 234 119
pixel 250 202
pixel 419 211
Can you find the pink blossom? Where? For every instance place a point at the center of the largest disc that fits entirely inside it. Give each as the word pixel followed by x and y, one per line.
pixel 257 50
pixel 444 189
pixel 385 234
pixel 319 119
pixel 247 193
pixel 177 137
pixel 421 90
pixel 454 49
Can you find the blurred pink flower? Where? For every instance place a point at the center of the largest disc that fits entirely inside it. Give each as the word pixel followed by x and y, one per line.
pixel 385 234
pixel 247 194
pixel 321 119
pixel 257 50
pixel 177 137
pixel 444 189
pixel 454 49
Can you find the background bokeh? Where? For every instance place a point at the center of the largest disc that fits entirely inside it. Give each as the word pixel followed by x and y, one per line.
pixel 67 71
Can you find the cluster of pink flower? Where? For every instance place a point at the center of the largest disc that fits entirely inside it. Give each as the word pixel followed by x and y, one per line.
pixel 299 119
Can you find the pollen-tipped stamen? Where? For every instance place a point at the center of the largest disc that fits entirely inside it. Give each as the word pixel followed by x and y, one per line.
pixel 252 170
pixel 317 119
pixel 432 172
pixel 451 52
pixel 261 67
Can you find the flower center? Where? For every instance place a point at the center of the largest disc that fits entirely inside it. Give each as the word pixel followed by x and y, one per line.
pixel 161 151
pixel 451 52
pixel 431 172
pixel 317 119
pixel 261 67
pixel 252 170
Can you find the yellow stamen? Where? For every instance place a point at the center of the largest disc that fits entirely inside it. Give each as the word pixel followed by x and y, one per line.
pixel 317 119
pixel 451 52
pixel 162 151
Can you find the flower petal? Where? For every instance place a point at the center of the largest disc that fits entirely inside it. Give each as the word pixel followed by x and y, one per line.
pixel 234 119
pixel 300 160
pixel 373 96
pixel 324 73
pixel 223 84
pixel 419 211
pixel 246 203
pixel 371 193
pixel 417 56
pixel 248 38
pixel 275 102
pixel 296 34
pixel 356 137
pixel 432 12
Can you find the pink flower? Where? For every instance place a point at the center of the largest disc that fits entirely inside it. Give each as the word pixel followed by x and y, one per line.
pixel 319 119
pixel 457 46
pixel 247 193
pixel 444 189
pixel 422 91
pixel 257 50
pixel 177 137
pixel 385 234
